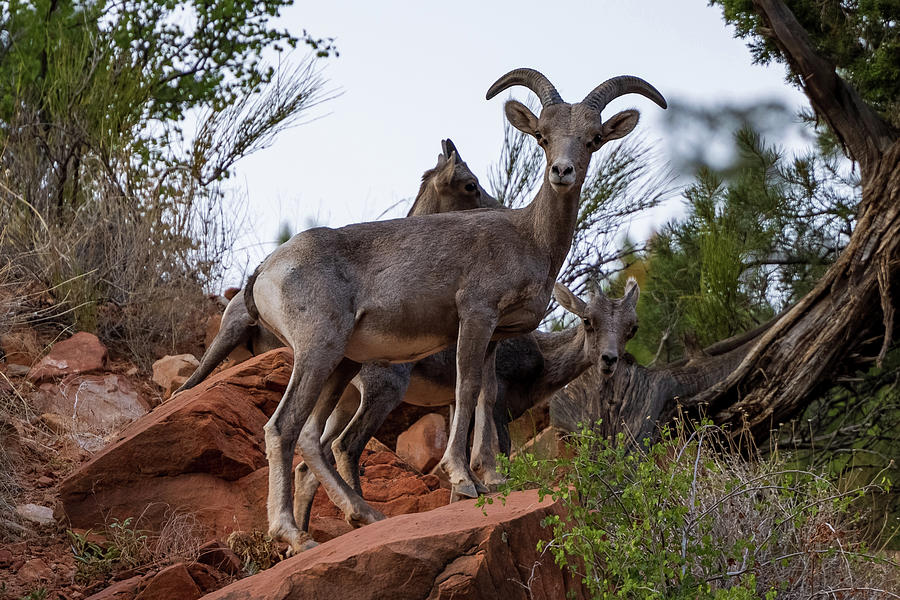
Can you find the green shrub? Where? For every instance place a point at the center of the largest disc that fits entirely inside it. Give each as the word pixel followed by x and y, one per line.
pixel 687 518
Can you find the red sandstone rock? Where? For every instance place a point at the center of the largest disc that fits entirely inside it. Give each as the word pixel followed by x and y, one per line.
pixel 172 583
pixel 423 444
pixel 455 551
pixel 34 571
pixel 203 451
pixel 389 485
pixel 189 453
pixel 120 590
pixel 170 372
pixel 80 353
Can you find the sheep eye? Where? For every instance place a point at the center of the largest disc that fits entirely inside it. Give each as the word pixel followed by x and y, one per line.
pixel 470 187
pixel 537 135
pixel 633 331
pixel 587 323
pixel 597 139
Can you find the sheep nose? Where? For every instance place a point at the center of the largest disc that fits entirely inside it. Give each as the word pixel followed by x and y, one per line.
pixel 562 169
pixel 609 359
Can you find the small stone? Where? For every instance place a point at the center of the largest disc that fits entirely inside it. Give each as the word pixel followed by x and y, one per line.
pixel 6 558
pixel 35 570
pixel 131 372
pixel 44 481
pixel 423 444
pixel 170 372
pixel 35 513
pixel 14 370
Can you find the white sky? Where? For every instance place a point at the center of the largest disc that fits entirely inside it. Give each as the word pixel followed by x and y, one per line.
pixel 412 73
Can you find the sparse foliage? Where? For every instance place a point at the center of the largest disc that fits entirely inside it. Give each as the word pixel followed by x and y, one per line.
pixel 687 518
pixel 117 133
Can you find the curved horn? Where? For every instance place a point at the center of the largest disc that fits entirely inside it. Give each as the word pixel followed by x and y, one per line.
pixel 449 148
pixel 612 88
pixel 533 80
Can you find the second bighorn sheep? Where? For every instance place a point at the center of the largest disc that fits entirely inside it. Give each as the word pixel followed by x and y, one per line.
pixel 366 292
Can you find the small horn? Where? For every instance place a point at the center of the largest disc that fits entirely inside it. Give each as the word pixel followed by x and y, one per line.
pixel 612 88
pixel 448 147
pixel 533 80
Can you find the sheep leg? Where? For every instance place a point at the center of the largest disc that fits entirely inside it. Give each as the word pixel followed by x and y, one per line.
pixel 355 509
pixel 485 442
pixel 475 331
pixel 305 482
pixel 236 328
pixel 382 390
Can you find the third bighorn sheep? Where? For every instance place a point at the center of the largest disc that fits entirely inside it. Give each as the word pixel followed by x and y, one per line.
pixel 366 292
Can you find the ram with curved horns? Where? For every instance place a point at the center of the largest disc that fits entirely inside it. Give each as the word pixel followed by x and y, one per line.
pixel 366 292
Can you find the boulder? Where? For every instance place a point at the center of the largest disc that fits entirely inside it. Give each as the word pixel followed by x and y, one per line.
pixel 423 444
pixel 204 452
pixel 81 353
pixel 458 551
pixel 98 404
pixel 190 453
pixel 170 372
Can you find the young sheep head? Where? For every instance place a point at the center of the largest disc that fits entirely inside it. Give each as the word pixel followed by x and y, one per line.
pixel 452 178
pixel 608 324
pixel 571 133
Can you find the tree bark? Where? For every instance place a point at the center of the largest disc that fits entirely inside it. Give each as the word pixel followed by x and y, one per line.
pixel 845 322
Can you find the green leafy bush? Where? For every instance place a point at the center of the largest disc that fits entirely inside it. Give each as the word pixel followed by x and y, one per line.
pixel 686 517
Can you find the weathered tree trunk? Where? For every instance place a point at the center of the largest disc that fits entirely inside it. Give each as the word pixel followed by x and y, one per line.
pixel 845 322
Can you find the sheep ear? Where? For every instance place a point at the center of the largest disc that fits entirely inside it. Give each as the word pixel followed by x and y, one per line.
pixel 520 117
pixel 632 292
pixel 448 169
pixel 619 125
pixel 569 300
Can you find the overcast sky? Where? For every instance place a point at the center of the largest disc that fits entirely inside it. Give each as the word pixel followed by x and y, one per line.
pixel 412 73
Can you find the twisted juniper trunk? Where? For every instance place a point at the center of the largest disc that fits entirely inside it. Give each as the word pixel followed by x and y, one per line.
pixel 845 322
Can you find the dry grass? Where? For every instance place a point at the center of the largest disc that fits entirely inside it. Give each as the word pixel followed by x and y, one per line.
pixel 127 547
pixel 256 550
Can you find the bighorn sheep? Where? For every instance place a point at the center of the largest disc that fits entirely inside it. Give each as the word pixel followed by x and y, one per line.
pixel 367 292
pixel 449 186
pixel 530 368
